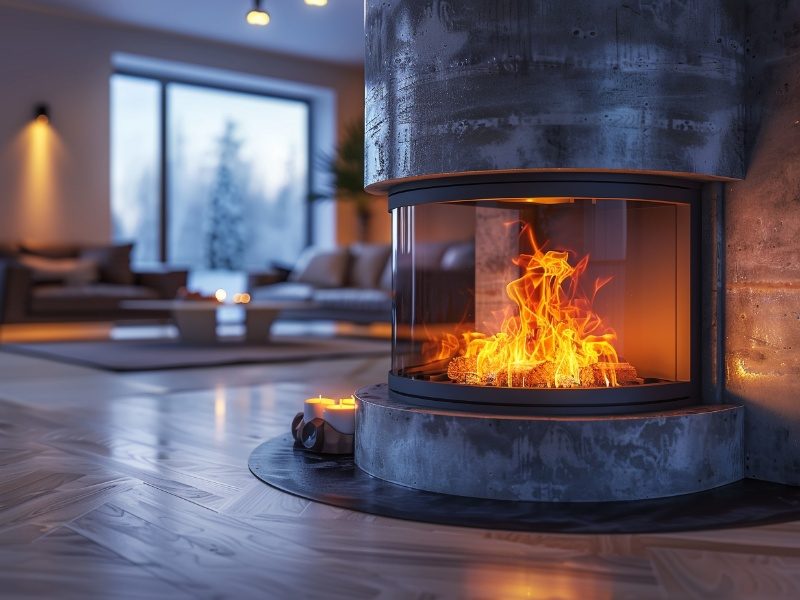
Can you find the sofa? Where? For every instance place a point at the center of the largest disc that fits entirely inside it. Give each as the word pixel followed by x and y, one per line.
pixel 42 284
pixel 354 283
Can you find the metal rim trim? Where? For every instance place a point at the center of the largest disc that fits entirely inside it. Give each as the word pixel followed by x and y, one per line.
pixel 639 398
pixel 505 186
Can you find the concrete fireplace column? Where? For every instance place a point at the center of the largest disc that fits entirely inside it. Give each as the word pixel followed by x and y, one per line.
pixel 502 89
pixel 454 86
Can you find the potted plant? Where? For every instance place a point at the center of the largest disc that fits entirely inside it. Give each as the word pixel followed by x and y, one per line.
pixel 346 170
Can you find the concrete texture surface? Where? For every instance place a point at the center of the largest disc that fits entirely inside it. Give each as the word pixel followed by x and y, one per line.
pixel 569 459
pixel 459 85
pixel 710 88
pixel 762 217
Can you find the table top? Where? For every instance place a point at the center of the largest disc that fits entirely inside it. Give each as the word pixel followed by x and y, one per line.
pixel 209 305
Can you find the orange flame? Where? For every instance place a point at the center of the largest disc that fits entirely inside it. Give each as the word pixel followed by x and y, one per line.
pixel 554 325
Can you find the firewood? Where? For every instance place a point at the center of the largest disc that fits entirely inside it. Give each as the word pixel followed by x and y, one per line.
pixel 461 368
pixel 527 377
pixel 464 370
pixel 595 376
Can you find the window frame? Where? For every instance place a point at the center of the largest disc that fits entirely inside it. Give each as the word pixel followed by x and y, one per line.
pixel 163 144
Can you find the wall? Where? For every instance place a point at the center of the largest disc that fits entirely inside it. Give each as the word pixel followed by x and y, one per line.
pixel 762 217
pixel 552 84
pixel 54 184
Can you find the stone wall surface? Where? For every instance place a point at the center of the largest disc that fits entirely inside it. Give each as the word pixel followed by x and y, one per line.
pixel 762 218
pixel 466 85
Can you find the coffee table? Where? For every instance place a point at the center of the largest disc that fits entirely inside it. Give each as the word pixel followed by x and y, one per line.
pixel 196 320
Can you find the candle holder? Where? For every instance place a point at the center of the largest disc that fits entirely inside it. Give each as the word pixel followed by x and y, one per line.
pixel 319 436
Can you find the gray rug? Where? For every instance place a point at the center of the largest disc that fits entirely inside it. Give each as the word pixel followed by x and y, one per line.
pixel 151 355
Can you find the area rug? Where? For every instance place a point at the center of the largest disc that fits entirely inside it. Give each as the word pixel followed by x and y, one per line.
pixel 151 355
pixel 335 480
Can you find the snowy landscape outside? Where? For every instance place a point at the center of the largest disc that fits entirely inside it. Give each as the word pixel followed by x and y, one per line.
pixel 237 172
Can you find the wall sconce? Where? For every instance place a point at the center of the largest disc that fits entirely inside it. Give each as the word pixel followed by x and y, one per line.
pixel 41 113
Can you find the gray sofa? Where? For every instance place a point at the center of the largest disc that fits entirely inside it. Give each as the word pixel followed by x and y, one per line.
pixel 355 283
pixel 41 284
pixel 345 284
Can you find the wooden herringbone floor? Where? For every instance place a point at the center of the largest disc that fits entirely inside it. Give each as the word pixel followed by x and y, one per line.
pixel 136 486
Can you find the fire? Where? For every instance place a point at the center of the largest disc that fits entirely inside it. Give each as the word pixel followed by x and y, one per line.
pixel 555 339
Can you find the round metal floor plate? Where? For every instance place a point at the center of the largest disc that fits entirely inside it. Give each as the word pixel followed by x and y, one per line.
pixel 335 480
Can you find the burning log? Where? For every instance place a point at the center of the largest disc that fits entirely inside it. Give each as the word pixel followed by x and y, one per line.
pixel 518 376
pixel 601 374
pixel 464 370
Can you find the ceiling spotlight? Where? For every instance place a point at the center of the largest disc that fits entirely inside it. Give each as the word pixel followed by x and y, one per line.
pixel 317 2
pixel 257 16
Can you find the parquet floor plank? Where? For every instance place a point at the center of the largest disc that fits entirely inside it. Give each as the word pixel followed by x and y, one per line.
pixel 136 486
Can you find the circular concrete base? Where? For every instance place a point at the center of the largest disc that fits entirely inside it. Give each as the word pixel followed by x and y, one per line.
pixel 548 459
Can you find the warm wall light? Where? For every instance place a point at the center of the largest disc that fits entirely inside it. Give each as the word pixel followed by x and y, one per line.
pixel 41 113
pixel 317 2
pixel 257 16
pixel 39 181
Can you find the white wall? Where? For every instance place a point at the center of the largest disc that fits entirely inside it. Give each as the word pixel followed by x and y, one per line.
pixel 54 181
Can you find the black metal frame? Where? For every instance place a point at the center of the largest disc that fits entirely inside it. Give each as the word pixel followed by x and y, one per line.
pixel 164 82
pixel 498 188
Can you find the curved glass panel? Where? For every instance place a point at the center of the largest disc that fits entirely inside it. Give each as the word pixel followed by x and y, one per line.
pixel 543 293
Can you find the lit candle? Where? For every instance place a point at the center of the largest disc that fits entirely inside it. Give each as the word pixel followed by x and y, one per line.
pixel 313 407
pixel 342 417
pixel 348 401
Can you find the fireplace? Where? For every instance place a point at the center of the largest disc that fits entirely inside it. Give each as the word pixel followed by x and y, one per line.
pixel 546 342
pixel 546 295
pixel 553 172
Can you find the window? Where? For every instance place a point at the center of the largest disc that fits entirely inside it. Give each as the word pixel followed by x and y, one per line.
pixel 135 165
pixel 208 178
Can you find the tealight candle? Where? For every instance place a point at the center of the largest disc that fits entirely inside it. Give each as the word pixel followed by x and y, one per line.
pixel 313 407
pixel 348 401
pixel 342 417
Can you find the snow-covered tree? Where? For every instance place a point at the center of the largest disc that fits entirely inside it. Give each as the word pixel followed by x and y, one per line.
pixel 225 237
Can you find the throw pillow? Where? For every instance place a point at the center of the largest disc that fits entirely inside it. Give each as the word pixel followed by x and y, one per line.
pixel 113 261
pixel 322 268
pixel 49 251
pixel 427 257
pixel 67 271
pixel 459 256
pixel 368 263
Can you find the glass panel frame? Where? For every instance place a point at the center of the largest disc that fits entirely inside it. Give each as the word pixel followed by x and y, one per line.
pixel 620 274
pixel 498 190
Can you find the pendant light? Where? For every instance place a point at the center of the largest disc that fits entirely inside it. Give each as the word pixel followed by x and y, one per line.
pixel 257 16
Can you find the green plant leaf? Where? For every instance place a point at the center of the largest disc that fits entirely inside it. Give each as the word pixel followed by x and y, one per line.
pixel 346 169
